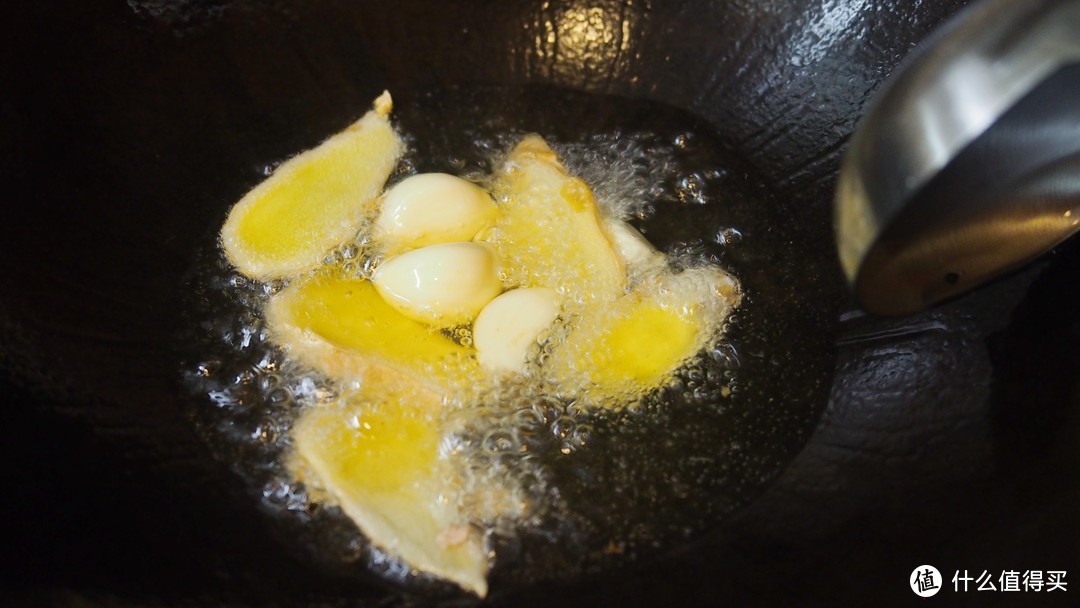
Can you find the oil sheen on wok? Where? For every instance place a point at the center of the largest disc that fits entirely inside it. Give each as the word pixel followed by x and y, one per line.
pixel 552 484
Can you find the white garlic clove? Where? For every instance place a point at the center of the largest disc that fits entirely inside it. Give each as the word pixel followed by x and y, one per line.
pixel 507 329
pixel 444 285
pixel 432 208
pixel 635 250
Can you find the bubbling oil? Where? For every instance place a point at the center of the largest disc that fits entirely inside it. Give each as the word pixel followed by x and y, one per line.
pixel 579 489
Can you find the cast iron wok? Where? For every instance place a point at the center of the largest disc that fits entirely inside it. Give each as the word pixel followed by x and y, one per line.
pixel 949 439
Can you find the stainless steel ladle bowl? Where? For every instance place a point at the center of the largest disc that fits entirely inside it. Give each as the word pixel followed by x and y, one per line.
pixel 967 165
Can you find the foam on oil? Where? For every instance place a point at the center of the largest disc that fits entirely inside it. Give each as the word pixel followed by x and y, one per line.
pixel 560 488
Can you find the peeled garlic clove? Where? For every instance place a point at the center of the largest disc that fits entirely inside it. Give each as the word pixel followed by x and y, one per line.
pixel 443 285
pixel 636 251
pixel 507 328
pixel 432 208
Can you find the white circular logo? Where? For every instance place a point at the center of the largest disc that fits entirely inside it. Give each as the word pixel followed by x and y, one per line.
pixel 925 581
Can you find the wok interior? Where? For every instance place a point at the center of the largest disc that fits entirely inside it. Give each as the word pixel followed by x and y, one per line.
pixel 645 480
pixel 137 125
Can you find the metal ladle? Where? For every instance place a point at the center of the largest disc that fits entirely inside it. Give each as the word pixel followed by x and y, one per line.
pixel 967 164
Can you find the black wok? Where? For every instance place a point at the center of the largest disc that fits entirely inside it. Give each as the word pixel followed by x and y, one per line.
pixel 949 439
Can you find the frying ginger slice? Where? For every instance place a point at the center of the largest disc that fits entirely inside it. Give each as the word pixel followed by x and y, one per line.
pixel 617 353
pixel 344 329
pixel 380 463
pixel 548 231
pixel 314 201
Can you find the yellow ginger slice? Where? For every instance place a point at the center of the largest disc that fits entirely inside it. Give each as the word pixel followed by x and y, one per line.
pixel 616 354
pixel 344 329
pixel 549 232
pixel 314 201
pixel 380 463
